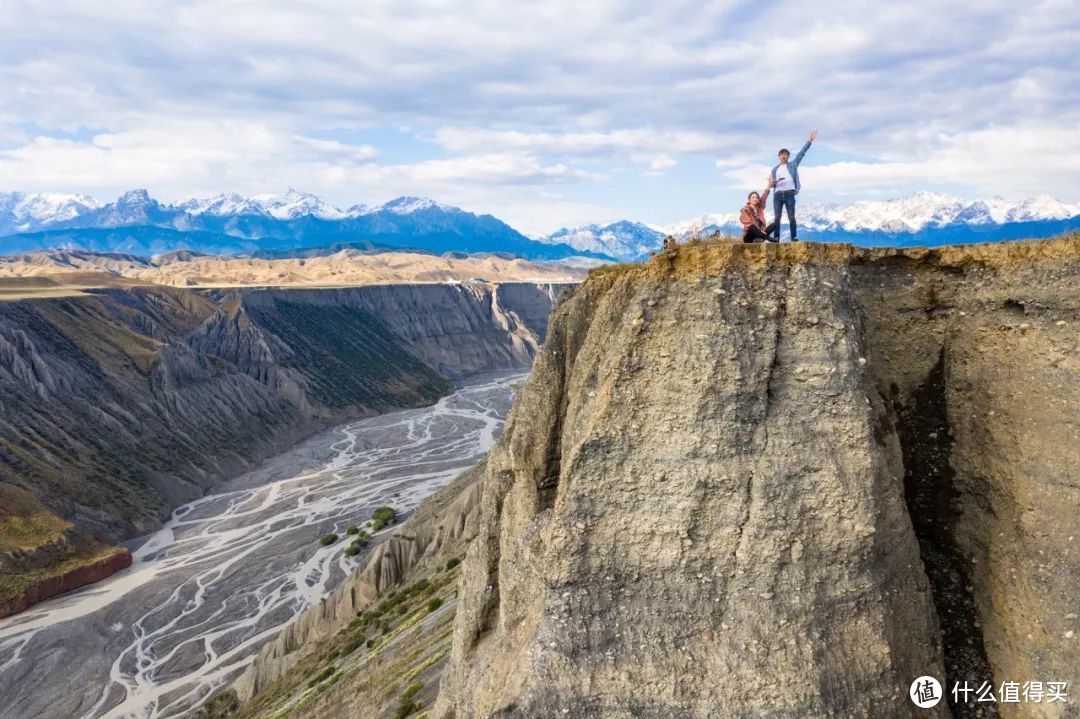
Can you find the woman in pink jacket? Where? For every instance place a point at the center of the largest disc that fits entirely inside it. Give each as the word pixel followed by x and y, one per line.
pixel 752 216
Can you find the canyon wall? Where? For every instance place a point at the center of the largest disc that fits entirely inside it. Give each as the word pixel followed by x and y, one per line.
pixel 784 481
pixel 118 405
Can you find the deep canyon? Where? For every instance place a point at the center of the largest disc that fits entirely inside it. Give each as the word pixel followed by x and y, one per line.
pixel 739 481
pixel 118 405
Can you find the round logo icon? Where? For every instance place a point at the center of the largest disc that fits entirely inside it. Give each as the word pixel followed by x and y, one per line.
pixel 925 692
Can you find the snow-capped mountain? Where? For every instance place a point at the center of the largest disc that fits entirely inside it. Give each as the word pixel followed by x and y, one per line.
pixel 231 223
pixel 294 204
pixel 134 207
pixel 21 212
pixel 700 226
pixel 1040 207
pixel 408 205
pixel 929 210
pixel 923 218
pixel 224 205
pixel 626 240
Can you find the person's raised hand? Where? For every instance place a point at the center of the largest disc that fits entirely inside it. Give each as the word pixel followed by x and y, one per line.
pixel 770 182
pixel 813 135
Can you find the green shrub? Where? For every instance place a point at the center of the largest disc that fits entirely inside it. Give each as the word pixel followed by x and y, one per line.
pixel 383 517
pixel 324 674
pixel 394 599
pixel 328 539
pixel 352 645
pixel 406 708
pixel 451 563
pixel 352 529
pixel 408 705
pixel 433 604
pixel 357 546
pixel 419 587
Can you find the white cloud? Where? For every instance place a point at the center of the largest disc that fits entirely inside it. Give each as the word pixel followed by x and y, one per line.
pixel 509 99
pixel 635 141
pixel 1011 161
pixel 181 159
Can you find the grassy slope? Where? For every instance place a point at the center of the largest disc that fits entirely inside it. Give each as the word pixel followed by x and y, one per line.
pixel 26 526
pixel 396 676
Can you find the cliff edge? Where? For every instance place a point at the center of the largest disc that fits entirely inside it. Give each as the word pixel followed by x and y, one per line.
pixel 784 481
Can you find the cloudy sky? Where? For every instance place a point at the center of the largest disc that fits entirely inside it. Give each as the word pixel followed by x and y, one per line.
pixel 542 113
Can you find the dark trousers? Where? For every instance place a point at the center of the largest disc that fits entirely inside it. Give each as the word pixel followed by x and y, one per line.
pixel 782 199
pixel 756 234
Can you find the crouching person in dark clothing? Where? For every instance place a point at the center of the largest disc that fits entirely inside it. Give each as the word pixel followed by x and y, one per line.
pixel 752 217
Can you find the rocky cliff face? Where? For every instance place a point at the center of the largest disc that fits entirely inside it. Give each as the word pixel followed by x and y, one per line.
pixel 118 405
pixel 784 481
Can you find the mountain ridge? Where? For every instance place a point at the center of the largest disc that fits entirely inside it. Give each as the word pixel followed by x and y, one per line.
pixel 230 223
pixel 924 218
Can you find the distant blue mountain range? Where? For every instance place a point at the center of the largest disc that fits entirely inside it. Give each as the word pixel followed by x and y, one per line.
pixel 298 223
pixel 140 225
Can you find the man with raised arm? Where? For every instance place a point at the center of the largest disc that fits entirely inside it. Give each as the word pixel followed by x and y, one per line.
pixel 786 178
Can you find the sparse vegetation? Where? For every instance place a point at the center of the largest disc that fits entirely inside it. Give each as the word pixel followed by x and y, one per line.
pixel 408 704
pixel 384 652
pixel 451 563
pixel 328 539
pixel 322 676
pixel 352 529
pixel 220 706
pixel 357 545
pixel 383 517
pixel 352 645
